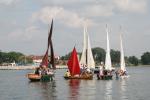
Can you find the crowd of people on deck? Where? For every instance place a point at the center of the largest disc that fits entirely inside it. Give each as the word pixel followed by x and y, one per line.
pixel 84 70
pixel 120 72
pixel 103 72
pixel 43 70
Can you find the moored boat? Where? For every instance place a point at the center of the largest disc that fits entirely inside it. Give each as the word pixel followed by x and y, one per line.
pixel 74 68
pixel 45 71
pixel 34 77
pixel 122 71
pixel 105 72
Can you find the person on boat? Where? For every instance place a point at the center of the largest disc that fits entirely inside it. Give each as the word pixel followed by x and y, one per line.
pixel 50 73
pixel 124 73
pixel 81 69
pixel 37 71
pixel 100 74
pixel 88 71
pixel 109 72
pixel 67 74
pixel 117 74
pixel 43 70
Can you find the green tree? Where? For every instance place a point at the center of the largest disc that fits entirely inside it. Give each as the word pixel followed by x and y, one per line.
pixel 98 54
pixel 115 56
pixel 145 58
pixel 133 60
pixel 66 57
pixel 13 56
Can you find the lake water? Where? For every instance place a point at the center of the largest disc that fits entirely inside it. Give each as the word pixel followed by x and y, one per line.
pixel 14 85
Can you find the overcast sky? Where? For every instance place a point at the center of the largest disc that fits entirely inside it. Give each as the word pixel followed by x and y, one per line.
pixel 24 24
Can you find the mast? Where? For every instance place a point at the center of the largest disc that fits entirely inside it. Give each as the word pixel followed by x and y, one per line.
pixel 108 65
pixel 122 61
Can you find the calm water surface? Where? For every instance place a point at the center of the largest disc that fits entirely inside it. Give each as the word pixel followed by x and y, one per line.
pixel 14 85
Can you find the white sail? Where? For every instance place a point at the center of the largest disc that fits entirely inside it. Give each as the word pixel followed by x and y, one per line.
pixel 87 56
pixel 108 65
pixel 122 61
pixel 90 59
pixel 84 51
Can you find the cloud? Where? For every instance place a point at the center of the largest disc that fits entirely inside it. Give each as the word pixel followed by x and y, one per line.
pixel 139 6
pixel 24 35
pixel 64 2
pixel 66 17
pixel 8 2
pixel 97 10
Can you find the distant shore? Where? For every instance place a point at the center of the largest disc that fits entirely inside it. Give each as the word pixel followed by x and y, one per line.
pixel 57 67
pixel 27 67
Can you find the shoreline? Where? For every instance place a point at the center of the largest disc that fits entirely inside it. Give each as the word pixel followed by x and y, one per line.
pixel 26 67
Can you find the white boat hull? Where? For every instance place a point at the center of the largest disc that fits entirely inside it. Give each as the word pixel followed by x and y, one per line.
pixel 125 76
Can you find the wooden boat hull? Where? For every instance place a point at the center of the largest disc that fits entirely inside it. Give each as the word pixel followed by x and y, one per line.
pixel 35 78
pixel 104 77
pixel 85 77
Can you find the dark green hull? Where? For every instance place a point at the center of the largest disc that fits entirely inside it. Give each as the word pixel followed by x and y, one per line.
pixel 46 78
pixel 104 77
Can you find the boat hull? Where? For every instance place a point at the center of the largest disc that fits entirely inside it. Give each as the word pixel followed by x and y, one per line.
pixel 96 71
pixel 35 78
pixel 124 76
pixel 85 77
pixel 105 77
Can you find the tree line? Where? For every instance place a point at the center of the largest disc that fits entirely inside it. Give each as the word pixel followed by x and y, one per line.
pixel 99 56
pixel 16 57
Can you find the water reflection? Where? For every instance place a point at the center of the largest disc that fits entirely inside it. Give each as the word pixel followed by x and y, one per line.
pixel 74 86
pixel 108 93
pixel 43 90
pixel 123 89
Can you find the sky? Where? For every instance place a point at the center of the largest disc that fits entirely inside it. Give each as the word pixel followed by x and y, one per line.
pixel 24 25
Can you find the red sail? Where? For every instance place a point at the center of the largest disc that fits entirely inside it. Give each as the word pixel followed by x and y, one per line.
pixel 73 63
pixel 45 59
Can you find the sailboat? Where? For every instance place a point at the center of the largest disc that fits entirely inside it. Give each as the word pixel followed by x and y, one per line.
pixel 74 68
pixel 122 60
pixel 108 66
pixel 87 56
pixel 46 63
